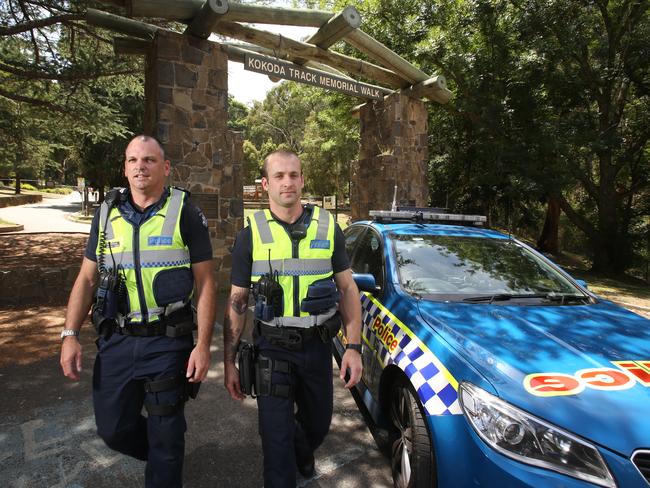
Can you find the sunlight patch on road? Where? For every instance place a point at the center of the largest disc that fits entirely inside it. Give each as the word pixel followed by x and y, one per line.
pixel 330 464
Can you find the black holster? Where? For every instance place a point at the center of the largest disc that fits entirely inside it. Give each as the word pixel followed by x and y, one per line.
pixel 256 372
pixel 329 329
pixel 187 390
pixel 190 390
pixel 247 353
pixel 104 326
pixel 264 368
pixel 180 329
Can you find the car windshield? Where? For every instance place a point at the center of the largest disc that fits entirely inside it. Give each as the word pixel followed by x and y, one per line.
pixel 476 269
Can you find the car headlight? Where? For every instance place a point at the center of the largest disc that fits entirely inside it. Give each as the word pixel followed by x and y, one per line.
pixel 530 440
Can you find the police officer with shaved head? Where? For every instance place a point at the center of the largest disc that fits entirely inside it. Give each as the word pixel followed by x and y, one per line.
pixel 148 256
pixel 293 257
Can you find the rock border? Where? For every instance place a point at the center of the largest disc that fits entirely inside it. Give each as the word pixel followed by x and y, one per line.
pixel 15 200
pixel 11 228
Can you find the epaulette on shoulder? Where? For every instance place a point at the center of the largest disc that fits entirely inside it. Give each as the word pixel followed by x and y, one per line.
pixel 181 189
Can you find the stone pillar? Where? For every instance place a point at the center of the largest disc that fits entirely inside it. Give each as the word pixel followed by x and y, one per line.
pixel 186 92
pixel 393 152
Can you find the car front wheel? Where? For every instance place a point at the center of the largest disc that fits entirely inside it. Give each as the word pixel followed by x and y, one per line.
pixel 412 459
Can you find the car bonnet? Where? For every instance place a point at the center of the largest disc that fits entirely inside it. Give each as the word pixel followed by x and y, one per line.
pixel 516 347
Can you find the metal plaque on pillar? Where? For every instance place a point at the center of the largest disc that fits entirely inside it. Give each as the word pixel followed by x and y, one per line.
pixel 208 203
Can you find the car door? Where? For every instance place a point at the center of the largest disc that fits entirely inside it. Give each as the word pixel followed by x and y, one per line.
pixel 368 258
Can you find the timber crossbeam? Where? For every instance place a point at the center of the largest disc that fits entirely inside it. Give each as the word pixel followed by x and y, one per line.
pixel 286 46
pixel 228 18
pixel 186 10
pixel 210 13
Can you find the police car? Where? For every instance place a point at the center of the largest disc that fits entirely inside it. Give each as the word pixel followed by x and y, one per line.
pixel 485 364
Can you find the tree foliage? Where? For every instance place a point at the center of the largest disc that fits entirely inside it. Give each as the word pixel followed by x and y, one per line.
pixel 313 123
pixel 281 116
pixel 331 142
pixel 237 113
pixel 551 110
pixel 61 87
pixel 597 76
pixel 551 105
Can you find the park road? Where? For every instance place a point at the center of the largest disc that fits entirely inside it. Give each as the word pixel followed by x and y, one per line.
pixel 48 215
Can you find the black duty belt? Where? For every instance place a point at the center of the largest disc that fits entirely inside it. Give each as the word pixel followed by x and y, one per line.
pixel 288 337
pixel 169 328
pixel 142 330
pixel 271 331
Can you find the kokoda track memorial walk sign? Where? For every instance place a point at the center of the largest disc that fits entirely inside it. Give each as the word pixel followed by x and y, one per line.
pixel 295 72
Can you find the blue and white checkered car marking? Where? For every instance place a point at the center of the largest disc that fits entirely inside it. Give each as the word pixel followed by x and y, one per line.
pixel 436 387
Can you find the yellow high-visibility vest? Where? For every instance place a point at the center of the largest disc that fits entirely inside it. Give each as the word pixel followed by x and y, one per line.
pixel 143 253
pixel 298 263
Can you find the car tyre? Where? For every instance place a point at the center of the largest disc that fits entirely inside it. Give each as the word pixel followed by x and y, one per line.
pixel 412 460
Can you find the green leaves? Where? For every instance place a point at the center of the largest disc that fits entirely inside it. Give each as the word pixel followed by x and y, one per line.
pixel 63 91
pixel 312 122
pixel 548 97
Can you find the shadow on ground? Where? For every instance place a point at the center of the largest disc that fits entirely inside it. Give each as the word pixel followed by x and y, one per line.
pixel 47 428
pixel 48 438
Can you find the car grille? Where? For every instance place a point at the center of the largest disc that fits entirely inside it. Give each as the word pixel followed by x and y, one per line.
pixel 641 460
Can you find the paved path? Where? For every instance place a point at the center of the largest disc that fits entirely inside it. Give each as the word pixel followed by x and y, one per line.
pixel 47 216
pixel 47 428
pixel 48 439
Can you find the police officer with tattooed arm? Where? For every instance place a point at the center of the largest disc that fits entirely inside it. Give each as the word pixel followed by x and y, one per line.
pixel 148 255
pixel 294 257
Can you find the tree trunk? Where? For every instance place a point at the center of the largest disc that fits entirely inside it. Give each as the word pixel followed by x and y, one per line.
pixel 16 173
pixel 612 249
pixel 548 241
pixel 603 262
pixel 85 201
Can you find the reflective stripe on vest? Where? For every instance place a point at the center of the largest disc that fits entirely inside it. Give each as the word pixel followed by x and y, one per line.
pixel 302 322
pixel 149 259
pixel 314 260
pixel 160 247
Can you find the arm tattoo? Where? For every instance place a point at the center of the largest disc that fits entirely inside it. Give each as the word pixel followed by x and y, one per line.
pixel 230 342
pixel 239 303
pixel 232 331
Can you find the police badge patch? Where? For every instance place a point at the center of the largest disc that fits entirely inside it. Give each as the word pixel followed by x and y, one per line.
pixel 204 221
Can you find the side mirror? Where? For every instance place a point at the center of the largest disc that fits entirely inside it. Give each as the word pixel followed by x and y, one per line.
pixel 365 282
pixel 583 284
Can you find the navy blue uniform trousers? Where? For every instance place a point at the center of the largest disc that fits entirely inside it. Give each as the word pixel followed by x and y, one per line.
pixel 290 435
pixel 122 365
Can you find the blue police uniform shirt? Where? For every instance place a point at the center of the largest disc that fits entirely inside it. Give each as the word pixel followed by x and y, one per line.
pixel 242 253
pixel 193 227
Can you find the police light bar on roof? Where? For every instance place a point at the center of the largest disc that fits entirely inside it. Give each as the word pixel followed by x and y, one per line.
pixel 422 215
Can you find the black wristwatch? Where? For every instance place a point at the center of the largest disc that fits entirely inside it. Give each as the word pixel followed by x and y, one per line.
pixel 354 347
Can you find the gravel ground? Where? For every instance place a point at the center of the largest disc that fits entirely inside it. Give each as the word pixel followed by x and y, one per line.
pixel 43 250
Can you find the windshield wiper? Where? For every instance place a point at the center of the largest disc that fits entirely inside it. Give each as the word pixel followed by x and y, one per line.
pixel 502 297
